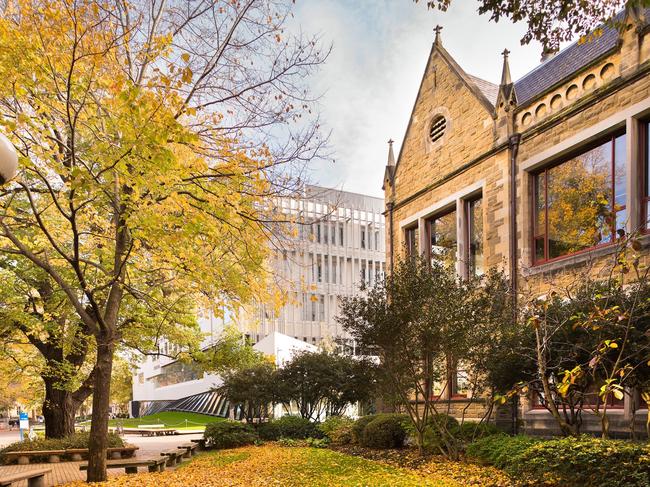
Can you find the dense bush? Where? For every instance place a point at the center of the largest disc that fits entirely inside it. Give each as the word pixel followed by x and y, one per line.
pixel 500 450
pixel 360 425
pixel 229 434
pixel 468 431
pixel 566 461
pixel 385 431
pixel 338 429
pixel 293 427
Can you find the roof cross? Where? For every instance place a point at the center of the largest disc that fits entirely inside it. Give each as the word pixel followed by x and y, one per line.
pixel 437 30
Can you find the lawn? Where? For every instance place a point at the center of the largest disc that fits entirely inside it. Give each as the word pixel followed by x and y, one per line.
pixel 272 464
pixel 177 420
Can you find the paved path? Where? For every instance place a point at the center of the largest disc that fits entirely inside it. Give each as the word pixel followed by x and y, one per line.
pixel 64 472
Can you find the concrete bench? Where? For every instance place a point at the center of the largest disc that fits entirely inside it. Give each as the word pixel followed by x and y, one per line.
pixel 131 465
pixel 201 443
pixel 23 457
pixel 157 432
pixel 190 449
pixel 35 478
pixel 173 457
pixel 114 453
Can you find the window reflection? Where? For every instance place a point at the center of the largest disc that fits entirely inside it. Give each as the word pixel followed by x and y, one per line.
pixel 581 203
pixel 443 238
pixel 475 220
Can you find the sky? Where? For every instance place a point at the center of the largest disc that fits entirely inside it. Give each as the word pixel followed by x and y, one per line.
pixel 370 81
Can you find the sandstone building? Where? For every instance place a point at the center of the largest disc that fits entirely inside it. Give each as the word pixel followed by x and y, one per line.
pixel 483 167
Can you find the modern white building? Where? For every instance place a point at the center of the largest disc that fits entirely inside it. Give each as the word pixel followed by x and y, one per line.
pixel 338 242
pixel 335 242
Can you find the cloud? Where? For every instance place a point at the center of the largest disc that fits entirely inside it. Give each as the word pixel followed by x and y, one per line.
pixel 370 81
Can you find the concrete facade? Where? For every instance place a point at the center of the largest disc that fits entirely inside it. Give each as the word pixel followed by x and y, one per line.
pixel 338 241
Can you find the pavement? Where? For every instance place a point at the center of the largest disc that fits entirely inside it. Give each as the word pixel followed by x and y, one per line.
pixel 64 472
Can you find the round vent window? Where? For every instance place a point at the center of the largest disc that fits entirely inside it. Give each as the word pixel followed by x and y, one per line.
pixel 437 130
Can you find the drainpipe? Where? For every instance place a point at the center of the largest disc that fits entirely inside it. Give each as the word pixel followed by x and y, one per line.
pixel 514 149
pixel 389 207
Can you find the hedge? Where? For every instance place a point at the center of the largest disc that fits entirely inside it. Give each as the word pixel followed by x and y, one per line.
pixel 338 429
pixel 566 461
pixel 229 434
pixel 385 431
pixel 293 427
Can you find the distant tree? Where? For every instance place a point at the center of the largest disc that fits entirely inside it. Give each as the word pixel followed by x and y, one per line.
pixel 231 352
pixel 253 389
pixel 324 382
pixel 421 321
pixel 121 383
pixel 554 21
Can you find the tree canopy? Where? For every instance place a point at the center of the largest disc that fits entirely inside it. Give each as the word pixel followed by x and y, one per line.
pixel 555 21
pixel 149 134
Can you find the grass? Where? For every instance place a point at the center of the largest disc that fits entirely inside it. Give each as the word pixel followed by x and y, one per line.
pixel 171 419
pixel 272 464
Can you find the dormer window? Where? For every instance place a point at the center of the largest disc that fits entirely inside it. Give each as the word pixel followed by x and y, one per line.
pixel 437 128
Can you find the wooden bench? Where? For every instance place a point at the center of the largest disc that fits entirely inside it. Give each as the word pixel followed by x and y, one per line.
pixel 201 443
pixel 131 465
pixel 35 478
pixel 53 456
pixel 173 457
pixel 190 449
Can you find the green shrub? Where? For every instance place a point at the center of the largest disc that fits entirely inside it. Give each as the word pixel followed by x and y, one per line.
pixel 433 440
pixel 293 427
pixel 499 450
pixel 566 461
pixel 385 431
pixel 317 442
pixel 360 425
pixel 338 429
pixel 468 432
pixel 288 442
pixel 229 434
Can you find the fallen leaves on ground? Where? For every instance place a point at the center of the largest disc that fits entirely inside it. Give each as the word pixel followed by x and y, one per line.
pixel 274 465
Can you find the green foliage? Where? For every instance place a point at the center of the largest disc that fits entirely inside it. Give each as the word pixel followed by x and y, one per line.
pixel 468 431
pixel 229 434
pixel 77 440
pixel 438 317
pixel 293 427
pixel 338 429
pixel 253 388
pixel 500 450
pixel 360 425
pixel 317 380
pixel 566 461
pixel 317 442
pixel 231 353
pixel 385 431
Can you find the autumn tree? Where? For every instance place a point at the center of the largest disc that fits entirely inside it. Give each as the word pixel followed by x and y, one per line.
pixel 149 134
pixel 554 21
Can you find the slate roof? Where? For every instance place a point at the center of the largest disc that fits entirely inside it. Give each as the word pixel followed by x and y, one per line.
pixel 490 90
pixel 566 63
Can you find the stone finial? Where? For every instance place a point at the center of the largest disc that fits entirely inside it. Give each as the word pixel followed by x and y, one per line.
pixel 391 156
pixel 506 79
pixel 438 39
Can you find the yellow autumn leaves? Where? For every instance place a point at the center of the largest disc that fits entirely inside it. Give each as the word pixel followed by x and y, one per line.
pixel 285 466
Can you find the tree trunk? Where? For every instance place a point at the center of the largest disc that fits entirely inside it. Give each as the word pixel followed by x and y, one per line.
pixel 101 403
pixel 59 410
